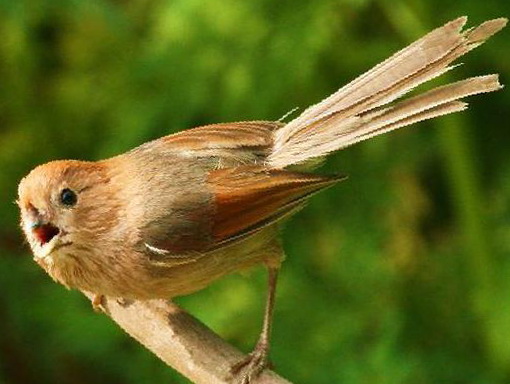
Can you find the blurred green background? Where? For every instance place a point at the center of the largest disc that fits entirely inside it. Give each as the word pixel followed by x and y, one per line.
pixel 398 275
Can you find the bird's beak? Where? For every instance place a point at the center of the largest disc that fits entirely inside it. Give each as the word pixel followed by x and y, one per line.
pixel 40 227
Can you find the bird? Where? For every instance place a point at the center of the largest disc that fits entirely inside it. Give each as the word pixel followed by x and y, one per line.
pixel 174 214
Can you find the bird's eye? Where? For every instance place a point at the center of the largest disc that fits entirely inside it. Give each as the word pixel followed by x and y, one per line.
pixel 68 197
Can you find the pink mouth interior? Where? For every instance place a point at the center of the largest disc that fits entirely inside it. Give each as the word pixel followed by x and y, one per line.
pixel 45 233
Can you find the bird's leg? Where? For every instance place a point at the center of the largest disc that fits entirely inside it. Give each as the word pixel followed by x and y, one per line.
pixel 250 367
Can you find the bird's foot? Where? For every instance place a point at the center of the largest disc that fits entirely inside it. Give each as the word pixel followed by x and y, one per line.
pixel 99 303
pixel 252 365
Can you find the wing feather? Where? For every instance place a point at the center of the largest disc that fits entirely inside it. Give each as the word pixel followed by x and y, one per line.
pixel 250 198
pixel 244 134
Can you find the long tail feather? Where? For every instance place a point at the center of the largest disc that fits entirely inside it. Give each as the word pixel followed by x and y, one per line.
pixel 360 109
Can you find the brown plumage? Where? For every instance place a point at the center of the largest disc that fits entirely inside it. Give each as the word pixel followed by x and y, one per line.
pixel 175 214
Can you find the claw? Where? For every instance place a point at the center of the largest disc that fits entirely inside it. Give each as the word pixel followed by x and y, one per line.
pixel 252 365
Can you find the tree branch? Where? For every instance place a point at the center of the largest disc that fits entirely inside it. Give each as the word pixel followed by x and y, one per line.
pixel 181 341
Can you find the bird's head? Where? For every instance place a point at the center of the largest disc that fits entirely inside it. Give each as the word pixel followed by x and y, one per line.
pixel 64 205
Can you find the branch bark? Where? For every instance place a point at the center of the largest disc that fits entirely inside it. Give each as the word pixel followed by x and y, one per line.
pixel 181 341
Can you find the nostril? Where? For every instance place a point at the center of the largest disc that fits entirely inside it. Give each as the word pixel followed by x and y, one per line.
pixel 45 232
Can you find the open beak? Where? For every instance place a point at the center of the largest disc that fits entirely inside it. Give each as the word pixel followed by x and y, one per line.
pixel 42 230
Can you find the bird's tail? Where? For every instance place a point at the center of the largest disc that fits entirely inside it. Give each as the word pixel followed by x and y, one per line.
pixel 369 105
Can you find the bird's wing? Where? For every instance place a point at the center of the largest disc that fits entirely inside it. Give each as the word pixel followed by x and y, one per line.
pixel 249 198
pixel 227 139
pixel 223 192
pixel 242 201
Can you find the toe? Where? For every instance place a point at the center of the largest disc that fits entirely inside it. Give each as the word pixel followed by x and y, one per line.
pixel 250 367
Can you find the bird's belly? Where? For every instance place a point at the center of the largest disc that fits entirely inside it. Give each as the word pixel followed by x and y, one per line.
pixel 179 277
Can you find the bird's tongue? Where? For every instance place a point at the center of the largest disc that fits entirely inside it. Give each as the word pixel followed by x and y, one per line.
pixel 45 233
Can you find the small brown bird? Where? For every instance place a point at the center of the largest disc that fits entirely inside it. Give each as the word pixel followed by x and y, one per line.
pixel 172 215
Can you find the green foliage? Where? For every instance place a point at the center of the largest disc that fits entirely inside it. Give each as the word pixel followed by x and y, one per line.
pixel 397 275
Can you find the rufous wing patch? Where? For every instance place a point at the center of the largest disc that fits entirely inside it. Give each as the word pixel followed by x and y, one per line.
pixel 254 134
pixel 247 197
